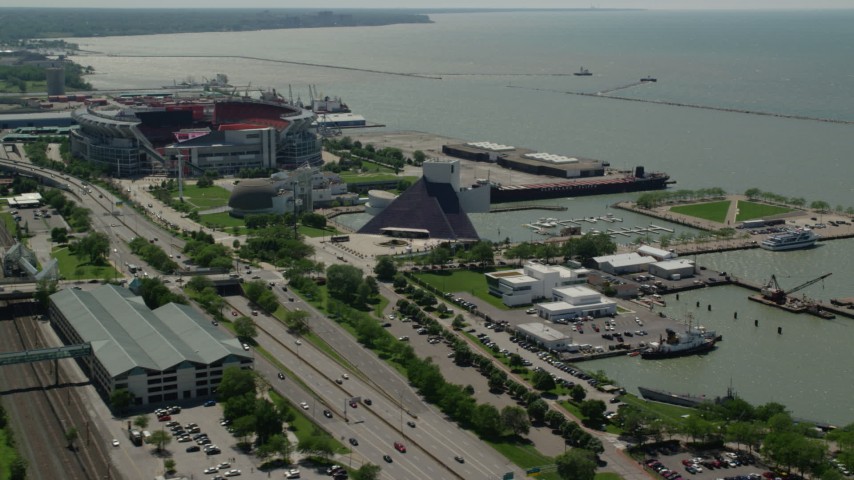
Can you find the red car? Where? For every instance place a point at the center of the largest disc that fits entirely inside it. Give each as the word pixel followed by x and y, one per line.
pixel 164 418
pixel 354 405
pixel 400 447
pixel 234 313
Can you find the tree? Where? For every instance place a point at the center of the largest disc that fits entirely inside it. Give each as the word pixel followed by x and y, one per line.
pixel 95 246
pixel 516 419
pixel 385 269
pixel 121 399
pixel 537 410
pixel 542 380
pixel 578 393
pixel 169 465
pixel 44 289
pixel 297 320
pixel 244 327
pixel 486 420
pixel 399 282
pixel 71 437
pixel 482 253
pixel 58 235
pixel 161 438
pixel 594 411
pixel 141 421
pixel 236 382
pixel 820 205
pixel 343 282
pixel 18 469
pixel 368 471
pixel 496 381
pixel 576 464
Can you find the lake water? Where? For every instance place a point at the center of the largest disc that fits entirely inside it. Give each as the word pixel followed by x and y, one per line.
pixel 502 79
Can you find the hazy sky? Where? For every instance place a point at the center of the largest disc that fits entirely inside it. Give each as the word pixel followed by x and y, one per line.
pixel 329 4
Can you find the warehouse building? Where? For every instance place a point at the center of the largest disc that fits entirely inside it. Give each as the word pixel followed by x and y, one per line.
pixel 172 353
pixel 622 263
pixel 672 269
pixel 543 335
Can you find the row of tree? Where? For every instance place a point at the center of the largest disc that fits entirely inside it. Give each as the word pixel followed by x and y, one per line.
pixel 77 217
pixel 799 202
pixel 153 255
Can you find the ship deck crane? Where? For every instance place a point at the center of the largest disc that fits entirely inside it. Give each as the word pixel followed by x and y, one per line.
pixel 772 291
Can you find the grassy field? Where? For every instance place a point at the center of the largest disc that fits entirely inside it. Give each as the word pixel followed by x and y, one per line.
pixel 69 264
pixel 7 455
pixel 670 413
pixel 461 281
pixel 712 211
pixel 205 198
pixel 317 232
pixel 9 223
pixel 302 426
pixel 374 177
pixel 750 210
pixel 223 220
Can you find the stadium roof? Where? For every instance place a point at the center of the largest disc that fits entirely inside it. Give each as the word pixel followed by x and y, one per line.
pixel 125 334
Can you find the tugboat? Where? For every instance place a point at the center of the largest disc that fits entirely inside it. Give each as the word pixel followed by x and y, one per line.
pixel 693 340
pixel 648 79
pixel 583 73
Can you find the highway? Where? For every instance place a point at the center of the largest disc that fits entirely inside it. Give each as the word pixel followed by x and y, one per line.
pixel 431 445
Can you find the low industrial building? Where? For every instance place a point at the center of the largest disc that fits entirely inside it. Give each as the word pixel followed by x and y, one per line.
pixel 623 263
pixel 543 335
pixel 532 282
pixel 657 253
pixel 672 269
pixel 576 302
pixel 169 354
pixel 25 200
pixel 525 160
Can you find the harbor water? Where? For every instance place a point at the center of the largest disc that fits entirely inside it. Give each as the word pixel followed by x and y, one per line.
pixel 504 77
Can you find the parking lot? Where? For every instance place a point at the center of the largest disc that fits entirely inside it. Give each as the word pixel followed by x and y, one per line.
pixel 711 465
pixel 195 464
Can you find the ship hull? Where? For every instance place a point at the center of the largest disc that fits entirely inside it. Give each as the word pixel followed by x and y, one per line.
pixel 659 354
pixel 790 246
pixel 522 193
pixel 662 396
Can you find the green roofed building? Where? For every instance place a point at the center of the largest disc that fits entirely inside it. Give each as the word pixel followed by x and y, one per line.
pixel 169 354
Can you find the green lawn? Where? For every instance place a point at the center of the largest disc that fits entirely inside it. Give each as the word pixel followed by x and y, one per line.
pixel 461 281
pixel 317 232
pixel 302 426
pixel 670 413
pixel 7 455
pixel 713 211
pixel 750 210
pixel 69 264
pixel 9 223
pixel 223 220
pixel 374 177
pixel 205 198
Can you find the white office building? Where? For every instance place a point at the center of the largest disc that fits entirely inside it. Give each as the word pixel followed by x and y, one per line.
pixel 532 282
pixel 575 302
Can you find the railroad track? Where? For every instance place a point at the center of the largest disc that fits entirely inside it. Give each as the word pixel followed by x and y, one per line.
pixel 46 411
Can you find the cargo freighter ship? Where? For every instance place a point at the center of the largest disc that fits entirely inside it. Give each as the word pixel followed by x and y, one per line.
pixel 637 182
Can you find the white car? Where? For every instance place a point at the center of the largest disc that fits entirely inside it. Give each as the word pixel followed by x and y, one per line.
pixel 345 376
pixel 115 442
pixel 292 473
pixel 211 470
pixel 303 405
pixel 223 465
pixel 232 473
pixel 246 347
